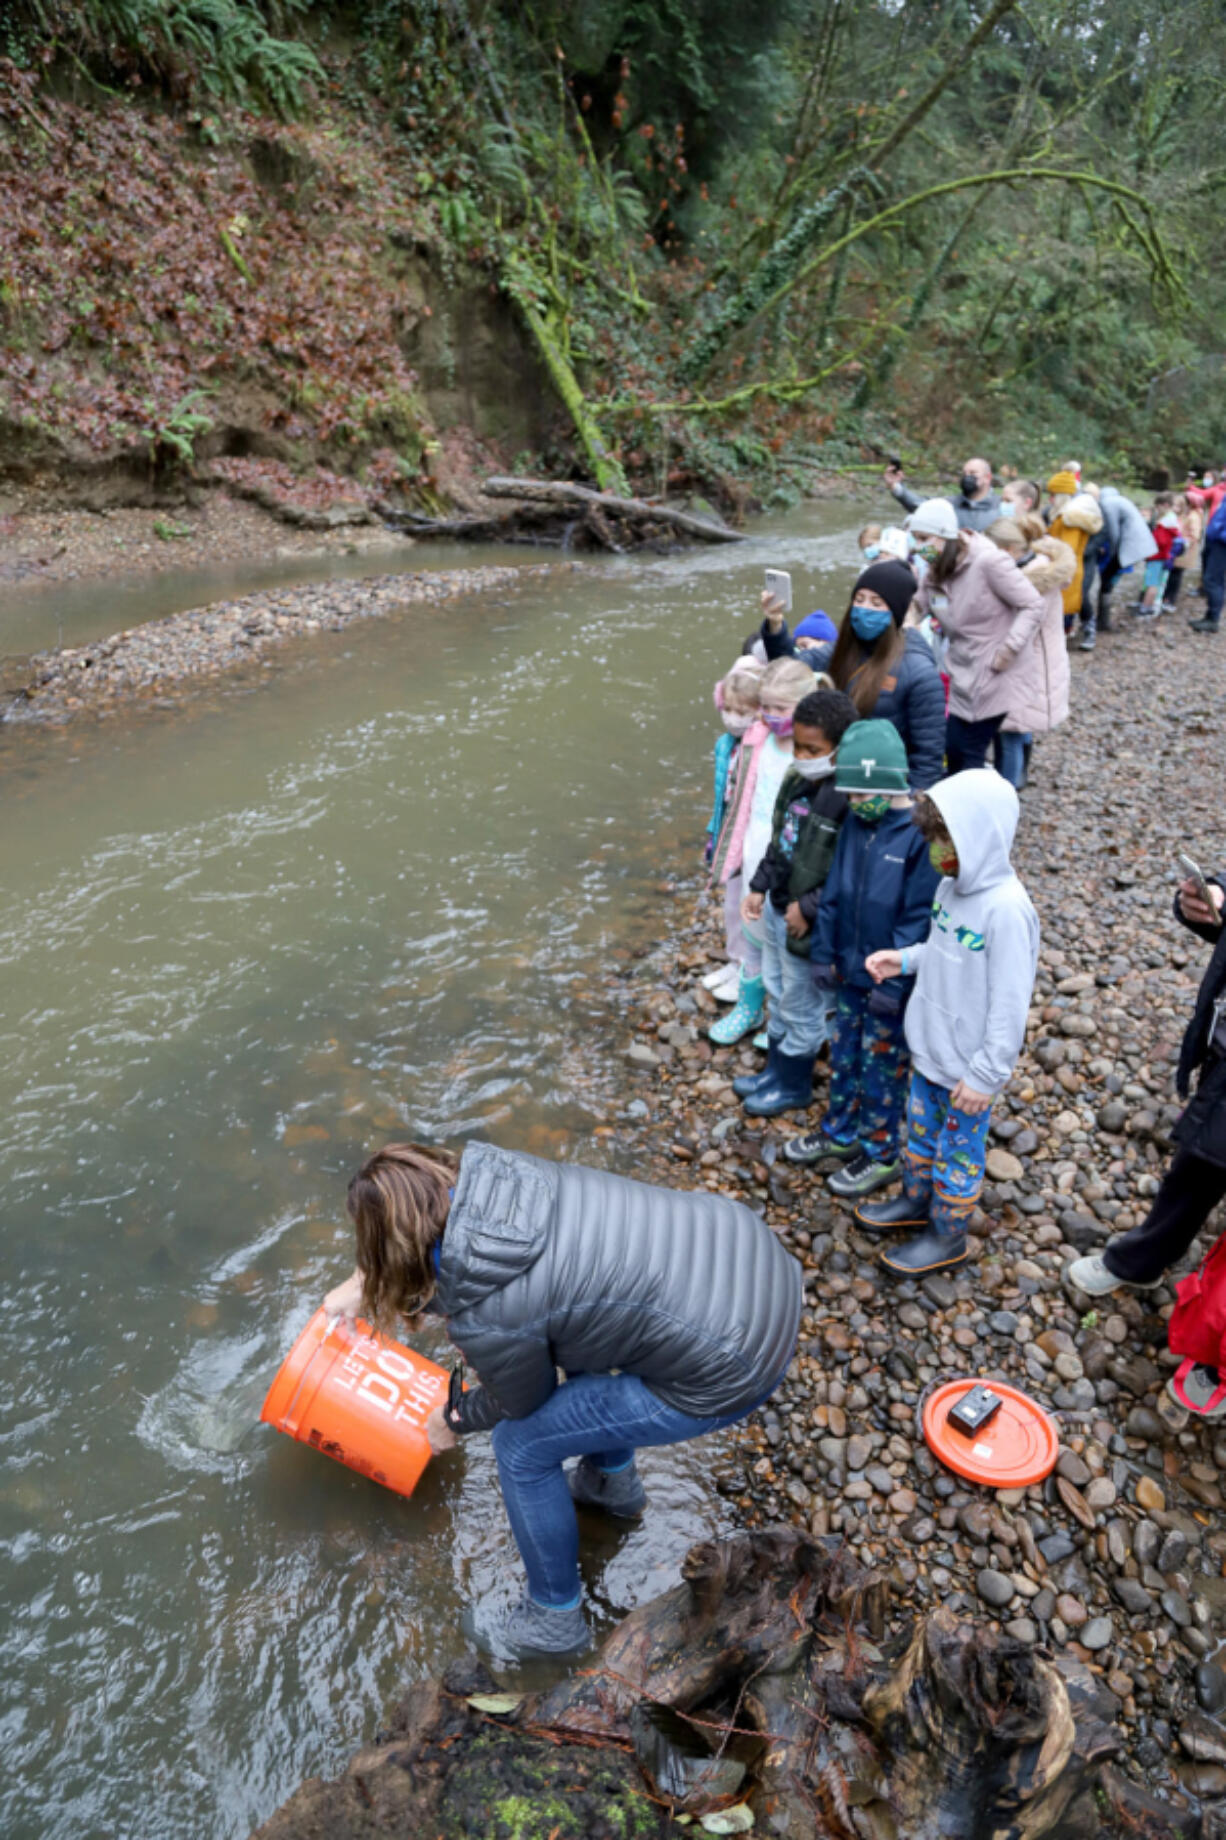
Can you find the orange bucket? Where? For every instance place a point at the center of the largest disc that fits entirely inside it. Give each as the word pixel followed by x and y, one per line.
pixel 360 1398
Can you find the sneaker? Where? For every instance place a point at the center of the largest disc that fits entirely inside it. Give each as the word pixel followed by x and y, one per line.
pixel 619 1492
pixel 1201 1389
pixel 725 983
pixel 863 1175
pixel 527 1631
pixel 1092 1276
pixel 816 1147
pixel 1088 640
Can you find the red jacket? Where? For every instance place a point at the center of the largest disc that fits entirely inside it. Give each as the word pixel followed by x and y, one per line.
pixel 1207 497
pixel 1166 536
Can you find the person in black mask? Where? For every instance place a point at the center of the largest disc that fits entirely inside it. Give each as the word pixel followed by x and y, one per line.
pixel 975 504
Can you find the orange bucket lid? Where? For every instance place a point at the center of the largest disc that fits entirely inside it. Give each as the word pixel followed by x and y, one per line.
pixel 1018 1447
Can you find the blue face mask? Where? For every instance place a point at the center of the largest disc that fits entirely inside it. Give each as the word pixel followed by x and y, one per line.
pixel 871 551
pixel 868 623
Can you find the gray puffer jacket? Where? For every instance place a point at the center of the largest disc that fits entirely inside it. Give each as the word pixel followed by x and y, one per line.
pixel 546 1266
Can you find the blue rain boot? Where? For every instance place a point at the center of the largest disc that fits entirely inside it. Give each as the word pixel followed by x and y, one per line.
pixel 744 1019
pixel 790 1091
pixel 746 1083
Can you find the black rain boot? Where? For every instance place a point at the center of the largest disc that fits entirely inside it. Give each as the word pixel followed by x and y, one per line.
pixel 746 1083
pixel 790 1091
pixel 881 1217
pixel 931 1251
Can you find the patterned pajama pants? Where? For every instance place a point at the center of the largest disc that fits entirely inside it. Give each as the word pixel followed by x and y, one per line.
pixel 869 1064
pixel 944 1157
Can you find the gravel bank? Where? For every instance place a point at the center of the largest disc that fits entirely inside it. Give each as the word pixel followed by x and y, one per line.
pixel 170 654
pixel 1119 1559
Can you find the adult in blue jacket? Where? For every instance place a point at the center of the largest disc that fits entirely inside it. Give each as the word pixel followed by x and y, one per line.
pixel 1213 571
pixel 877 897
pixel 887 670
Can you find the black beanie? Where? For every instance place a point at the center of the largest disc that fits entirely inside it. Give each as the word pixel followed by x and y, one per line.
pixel 894 582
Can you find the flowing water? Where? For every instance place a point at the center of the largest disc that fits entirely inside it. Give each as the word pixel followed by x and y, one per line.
pixel 369 893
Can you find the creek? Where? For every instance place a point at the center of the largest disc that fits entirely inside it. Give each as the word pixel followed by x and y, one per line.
pixel 373 891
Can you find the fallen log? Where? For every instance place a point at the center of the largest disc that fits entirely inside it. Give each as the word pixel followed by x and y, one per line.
pixel 810 1716
pixel 565 494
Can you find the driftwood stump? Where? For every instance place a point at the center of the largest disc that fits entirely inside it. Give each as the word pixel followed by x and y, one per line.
pixel 777 1654
pixel 557 511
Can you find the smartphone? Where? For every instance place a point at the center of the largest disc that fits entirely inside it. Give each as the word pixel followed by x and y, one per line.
pixel 893 460
pixel 1196 875
pixel 779 583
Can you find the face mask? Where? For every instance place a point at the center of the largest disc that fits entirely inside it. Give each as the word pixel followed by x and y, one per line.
pixel 942 859
pixel 821 768
pixel 969 484
pixel 871 551
pixel 868 623
pixel 872 810
pixel 780 726
pixel 736 725
pixel 929 550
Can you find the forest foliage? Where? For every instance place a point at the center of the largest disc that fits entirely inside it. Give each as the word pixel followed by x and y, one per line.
pixel 741 238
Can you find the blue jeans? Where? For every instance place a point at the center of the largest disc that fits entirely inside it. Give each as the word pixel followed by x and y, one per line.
pixel 967 743
pixel 601 1416
pixel 1011 755
pixel 797 1011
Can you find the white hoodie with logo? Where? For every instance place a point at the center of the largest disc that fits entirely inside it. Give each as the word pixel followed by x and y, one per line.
pixel 967 1016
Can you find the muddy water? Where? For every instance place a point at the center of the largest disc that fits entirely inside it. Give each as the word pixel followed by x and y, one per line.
pixel 37 616
pixel 372 893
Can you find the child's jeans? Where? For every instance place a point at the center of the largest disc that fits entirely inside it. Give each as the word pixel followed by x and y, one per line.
pixel 1011 755
pixel 944 1158
pixel 741 948
pixel 797 1011
pixel 869 1064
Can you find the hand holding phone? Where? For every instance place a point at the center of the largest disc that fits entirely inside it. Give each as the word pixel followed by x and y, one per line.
pixel 779 585
pixel 1195 891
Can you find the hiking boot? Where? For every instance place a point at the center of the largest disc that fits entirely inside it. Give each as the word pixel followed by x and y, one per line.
pixel 746 1083
pixel 1092 1276
pixel 816 1147
pixel 863 1176
pixel 929 1252
pixel 527 1631
pixel 881 1217
pixel 619 1492
pixel 1203 626
pixel 750 1007
pixel 1089 637
pixel 791 1089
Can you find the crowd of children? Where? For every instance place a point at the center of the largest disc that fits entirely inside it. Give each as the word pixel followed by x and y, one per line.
pixel 882 928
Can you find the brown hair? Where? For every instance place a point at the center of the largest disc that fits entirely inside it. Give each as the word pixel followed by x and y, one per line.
pixel 952 551
pixel 862 679
pixel 926 816
pixel 398 1203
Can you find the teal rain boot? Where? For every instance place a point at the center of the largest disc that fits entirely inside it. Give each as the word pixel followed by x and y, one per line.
pixel 750 1008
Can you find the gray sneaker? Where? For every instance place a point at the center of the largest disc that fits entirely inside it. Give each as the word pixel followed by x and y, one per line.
pixel 529 1630
pixel 1092 1276
pixel 863 1176
pixel 620 1492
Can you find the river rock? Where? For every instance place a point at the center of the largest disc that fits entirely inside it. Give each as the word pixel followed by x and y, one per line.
pixel 1097 1634
pixel 994 1588
pixel 1002 1166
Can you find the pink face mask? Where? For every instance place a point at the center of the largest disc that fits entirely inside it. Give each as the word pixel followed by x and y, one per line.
pixel 780 726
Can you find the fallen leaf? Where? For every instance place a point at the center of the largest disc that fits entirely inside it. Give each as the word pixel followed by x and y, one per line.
pixel 500 1703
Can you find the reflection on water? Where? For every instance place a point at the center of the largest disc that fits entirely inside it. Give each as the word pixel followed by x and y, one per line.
pixel 372 894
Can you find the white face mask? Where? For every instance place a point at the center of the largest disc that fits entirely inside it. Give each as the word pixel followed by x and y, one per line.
pixel 821 768
pixel 736 725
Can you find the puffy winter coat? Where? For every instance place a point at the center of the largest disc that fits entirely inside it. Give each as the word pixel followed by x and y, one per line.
pixel 1202 1129
pixel 738 803
pixel 1128 534
pixel 546 1266
pixel 1074 524
pixel 877 898
pixel 912 697
pixel 988 604
pixel 1039 679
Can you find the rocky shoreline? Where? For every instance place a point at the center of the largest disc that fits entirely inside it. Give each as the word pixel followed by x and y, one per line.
pixel 1117 1561
pixel 175 653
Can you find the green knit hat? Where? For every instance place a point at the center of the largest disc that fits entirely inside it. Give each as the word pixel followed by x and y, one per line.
pixel 871 758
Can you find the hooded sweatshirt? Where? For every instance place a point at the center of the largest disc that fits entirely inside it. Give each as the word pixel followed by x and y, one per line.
pixel 967 1015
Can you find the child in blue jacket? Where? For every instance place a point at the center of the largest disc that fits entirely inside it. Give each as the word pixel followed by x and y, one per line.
pixel 877 897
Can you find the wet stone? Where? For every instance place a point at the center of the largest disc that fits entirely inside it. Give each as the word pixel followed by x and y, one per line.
pixel 994 1588
pixel 1097 1634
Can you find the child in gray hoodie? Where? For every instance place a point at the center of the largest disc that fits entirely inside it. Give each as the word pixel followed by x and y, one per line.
pixel 966 1021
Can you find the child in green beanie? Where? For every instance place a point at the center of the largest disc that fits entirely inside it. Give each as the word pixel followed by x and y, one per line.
pixel 877 897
